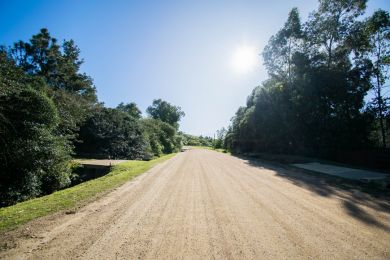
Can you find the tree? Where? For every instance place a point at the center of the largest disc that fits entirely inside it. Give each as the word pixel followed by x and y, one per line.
pixel 378 31
pixel 328 28
pixel 59 66
pixel 162 136
pixel 219 141
pixel 335 83
pixel 131 109
pixel 279 52
pixel 313 101
pixel 193 140
pixel 112 133
pixel 34 159
pixel 39 56
pixel 165 112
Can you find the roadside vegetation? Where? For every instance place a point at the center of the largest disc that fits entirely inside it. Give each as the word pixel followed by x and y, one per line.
pixel 217 143
pixel 70 198
pixel 193 140
pixel 49 113
pixel 326 94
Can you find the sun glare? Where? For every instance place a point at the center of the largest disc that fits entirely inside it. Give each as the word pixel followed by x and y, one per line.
pixel 244 59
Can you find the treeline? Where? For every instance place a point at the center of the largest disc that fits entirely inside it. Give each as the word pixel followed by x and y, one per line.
pixel 316 100
pixel 193 140
pixel 49 113
pixel 216 142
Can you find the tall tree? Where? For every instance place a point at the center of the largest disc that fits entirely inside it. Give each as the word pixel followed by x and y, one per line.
pixel 328 27
pixel 165 112
pixel 33 158
pixel 59 66
pixel 131 109
pixel 219 139
pixel 313 100
pixel 279 52
pixel 378 30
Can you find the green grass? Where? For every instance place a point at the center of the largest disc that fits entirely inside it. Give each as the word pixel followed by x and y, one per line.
pixel 221 150
pixel 13 216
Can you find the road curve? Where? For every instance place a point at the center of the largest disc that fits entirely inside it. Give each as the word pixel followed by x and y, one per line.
pixel 203 204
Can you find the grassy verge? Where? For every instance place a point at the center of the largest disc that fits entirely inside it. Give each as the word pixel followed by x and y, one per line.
pixel 13 216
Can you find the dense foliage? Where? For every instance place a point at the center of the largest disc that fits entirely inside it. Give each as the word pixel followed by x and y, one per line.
pixel 320 72
pixel 111 133
pixel 161 136
pixel 192 140
pixel 28 120
pixel 49 112
pixel 165 112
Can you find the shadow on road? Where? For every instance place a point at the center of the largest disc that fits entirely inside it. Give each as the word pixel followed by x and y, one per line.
pixel 354 195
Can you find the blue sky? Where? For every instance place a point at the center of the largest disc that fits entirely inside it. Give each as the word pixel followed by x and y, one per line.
pixel 180 51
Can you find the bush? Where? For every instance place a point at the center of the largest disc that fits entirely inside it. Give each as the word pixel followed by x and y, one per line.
pixel 162 137
pixel 33 159
pixel 111 133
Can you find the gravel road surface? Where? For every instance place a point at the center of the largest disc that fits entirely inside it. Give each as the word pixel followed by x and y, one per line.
pixel 202 204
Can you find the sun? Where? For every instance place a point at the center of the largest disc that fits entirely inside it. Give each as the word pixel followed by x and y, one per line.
pixel 244 59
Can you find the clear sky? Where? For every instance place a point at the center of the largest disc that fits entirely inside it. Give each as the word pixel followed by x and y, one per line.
pixel 201 55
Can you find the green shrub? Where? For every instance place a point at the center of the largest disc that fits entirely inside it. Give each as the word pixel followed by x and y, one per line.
pixel 33 159
pixel 111 133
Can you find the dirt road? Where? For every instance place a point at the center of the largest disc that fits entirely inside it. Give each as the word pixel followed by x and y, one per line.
pixel 203 204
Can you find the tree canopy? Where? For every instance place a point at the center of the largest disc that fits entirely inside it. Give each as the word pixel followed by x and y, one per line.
pixel 165 112
pixel 320 72
pixel 33 158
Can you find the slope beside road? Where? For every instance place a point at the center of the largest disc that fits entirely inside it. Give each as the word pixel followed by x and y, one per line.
pixel 203 204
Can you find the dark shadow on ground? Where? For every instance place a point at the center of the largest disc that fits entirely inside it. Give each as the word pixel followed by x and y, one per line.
pixel 354 195
pixel 357 212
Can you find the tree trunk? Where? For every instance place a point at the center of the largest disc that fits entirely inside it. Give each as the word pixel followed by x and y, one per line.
pixel 379 94
pixel 381 116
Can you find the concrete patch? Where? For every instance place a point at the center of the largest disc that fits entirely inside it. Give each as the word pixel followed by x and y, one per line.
pixel 344 172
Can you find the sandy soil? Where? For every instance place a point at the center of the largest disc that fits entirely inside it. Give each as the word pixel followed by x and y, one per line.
pixel 203 204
